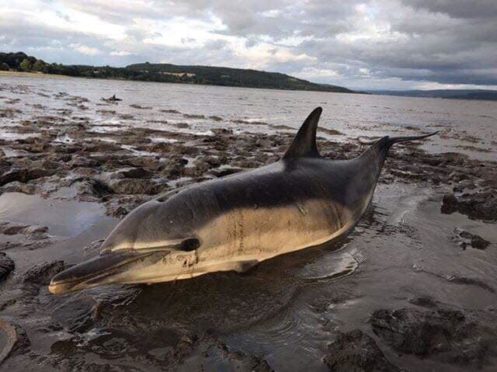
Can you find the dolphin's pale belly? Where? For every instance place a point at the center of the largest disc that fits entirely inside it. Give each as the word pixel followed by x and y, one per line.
pixel 243 237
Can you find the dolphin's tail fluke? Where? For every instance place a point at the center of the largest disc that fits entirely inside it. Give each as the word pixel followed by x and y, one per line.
pixel 384 144
pixel 394 140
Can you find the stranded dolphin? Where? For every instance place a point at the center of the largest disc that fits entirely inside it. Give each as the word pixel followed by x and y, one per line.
pixel 234 222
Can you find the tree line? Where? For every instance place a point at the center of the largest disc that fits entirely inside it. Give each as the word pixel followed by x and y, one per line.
pixel 162 72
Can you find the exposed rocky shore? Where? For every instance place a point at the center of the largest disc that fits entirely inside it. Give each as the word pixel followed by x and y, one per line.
pixel 65 157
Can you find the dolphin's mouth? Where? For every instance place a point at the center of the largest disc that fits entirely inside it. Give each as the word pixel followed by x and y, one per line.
pixel 107 268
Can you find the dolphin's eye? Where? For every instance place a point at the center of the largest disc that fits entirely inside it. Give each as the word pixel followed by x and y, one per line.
pixel 189 245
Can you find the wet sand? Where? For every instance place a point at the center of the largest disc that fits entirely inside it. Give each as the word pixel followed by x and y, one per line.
pixel 412 288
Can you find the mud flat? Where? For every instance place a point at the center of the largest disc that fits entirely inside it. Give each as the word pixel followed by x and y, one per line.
pixel 412 288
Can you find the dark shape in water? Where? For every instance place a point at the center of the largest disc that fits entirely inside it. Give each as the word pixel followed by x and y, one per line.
pixel 113 98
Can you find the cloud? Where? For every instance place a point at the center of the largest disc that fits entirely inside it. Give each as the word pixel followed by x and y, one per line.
pixel 83 49
pixel 359 43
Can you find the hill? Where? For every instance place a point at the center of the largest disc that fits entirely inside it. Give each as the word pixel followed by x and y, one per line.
pixel 233 77
pixel 476 94
pixel 164 72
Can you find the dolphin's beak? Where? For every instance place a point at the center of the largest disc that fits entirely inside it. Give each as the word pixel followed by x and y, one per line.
pixel 113 267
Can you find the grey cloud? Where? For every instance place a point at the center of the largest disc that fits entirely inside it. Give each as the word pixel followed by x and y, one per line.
pixel 444 41
pixel 458 8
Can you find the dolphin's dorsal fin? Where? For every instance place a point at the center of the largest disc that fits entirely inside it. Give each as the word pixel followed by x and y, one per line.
pixel 304 143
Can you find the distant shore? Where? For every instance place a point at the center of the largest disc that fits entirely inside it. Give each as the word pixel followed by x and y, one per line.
pixel 169 73
pixel 30 74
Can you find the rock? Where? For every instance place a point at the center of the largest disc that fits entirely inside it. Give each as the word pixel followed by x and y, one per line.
pixel 13 339
pixel 467 239
pixel 198 355
pixel 94 187
pixel 36 230
pixel 24 175
pixel 446 335
pixel 140 107
pixel 481 205
pixel 124 204
pixel 76 313
pixel 423 301
pixel 356 351
pixel 133 186
pixel 478 242
pixel 42 274
pixel 449 204
pixel 33 232
pixel 136 173
pixel 80 162
pixel 470 281
pixel 6 266
pixel 13 229
pixel 224 171
pixel 19 187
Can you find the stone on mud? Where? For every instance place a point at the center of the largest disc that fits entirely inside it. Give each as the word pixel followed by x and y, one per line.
pixel 133 186
pixel 209 353
pixel 481 205
pixel 356 351
pixel 136 173
pixel 24 175
pixel 467 239
pixel 42 274
pixel 442 334
pixel 6 266
pixel 13 339
pixel 423 301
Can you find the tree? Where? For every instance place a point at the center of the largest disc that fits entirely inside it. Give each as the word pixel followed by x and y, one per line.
pixel 4 67
pixel 26 65
pixel 39 65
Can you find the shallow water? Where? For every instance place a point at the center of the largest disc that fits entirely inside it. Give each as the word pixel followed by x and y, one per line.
pixel 467 126
pixel 285 310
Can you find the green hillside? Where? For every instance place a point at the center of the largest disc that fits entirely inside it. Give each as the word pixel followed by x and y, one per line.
pixel 164 72
pixel 233 77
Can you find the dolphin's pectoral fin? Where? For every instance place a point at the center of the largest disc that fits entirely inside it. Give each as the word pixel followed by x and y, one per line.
pixel 304 143
pixel 238 266
pixel 243 266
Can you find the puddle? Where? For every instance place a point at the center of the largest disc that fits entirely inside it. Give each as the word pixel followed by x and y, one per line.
pixel 11 136
pixel 64 218
pixel 332 265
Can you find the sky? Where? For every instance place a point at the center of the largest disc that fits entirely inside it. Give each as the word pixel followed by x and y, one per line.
pixel 383 44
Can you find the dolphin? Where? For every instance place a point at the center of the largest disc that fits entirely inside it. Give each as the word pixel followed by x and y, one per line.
pixel 237 221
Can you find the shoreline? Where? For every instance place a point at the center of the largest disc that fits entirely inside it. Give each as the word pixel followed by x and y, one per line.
pixel 356 92
pixel 31 74
pixel 56 76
